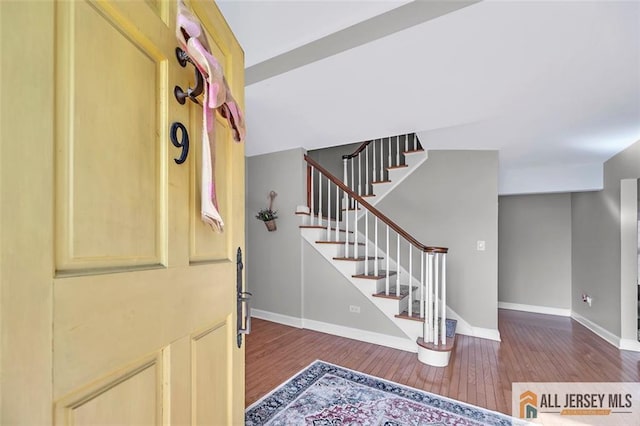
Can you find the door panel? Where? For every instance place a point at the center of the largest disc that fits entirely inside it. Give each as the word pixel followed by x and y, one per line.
pixel 210 374
pixel 133 296
pixel 110 168
pixel 95 403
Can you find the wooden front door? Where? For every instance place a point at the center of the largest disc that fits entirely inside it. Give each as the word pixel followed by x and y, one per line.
pixel 118 305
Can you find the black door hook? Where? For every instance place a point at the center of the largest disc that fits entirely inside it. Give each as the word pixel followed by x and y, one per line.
pixel 192 92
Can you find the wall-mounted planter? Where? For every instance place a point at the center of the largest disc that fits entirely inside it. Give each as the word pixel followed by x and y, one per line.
pixel 271 225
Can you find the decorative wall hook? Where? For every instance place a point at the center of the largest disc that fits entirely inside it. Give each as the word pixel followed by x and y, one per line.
pixel 192 92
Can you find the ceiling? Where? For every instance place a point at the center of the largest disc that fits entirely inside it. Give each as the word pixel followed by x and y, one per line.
pixel 554 86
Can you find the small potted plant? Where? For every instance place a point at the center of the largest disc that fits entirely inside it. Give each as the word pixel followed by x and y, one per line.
pixel 269 217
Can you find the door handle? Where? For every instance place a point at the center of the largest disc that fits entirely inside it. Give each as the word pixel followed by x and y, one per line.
pixel 242 302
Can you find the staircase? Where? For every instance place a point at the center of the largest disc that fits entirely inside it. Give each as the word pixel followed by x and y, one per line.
pixel 402 277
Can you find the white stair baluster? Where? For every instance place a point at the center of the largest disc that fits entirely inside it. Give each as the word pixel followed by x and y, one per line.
pixel 366 242
pixel 406 143
pixel 375 248
pixel 436 304
pixel 359 174
pixel 443 297
pixel 355 229
pixel 398 267
pixel 397 150
pixel 353 182
pixel 387 268
pixel 346 221
pixel 337 211
pixel 319 198
pixel 389 156
pixel 374 161
pixel 328 209
pixel 366 170
pixel 312 220
pixel 415 142
pixel 410 279
pixel 422 284
pixel 381 172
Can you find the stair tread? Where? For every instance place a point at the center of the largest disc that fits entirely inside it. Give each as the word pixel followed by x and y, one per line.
pixel 368 195
pixel 400 166
pixel 438 348
pixel 337 242
pixel 413 151
pixel 370 276
pixel 415 316
pixel 357 259
pixel 380 181
pixel 404 292
pixel 321 227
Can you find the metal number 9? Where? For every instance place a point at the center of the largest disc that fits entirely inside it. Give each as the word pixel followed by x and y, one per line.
pixel 183 143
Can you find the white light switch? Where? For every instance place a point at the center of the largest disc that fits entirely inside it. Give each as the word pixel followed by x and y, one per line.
pixel 480 245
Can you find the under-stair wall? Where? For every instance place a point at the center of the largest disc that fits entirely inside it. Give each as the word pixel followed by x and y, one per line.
pixel 452 200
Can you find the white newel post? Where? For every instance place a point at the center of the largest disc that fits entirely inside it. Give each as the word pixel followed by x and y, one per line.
pixel 436 305
pixel 444 299
pixel 422 284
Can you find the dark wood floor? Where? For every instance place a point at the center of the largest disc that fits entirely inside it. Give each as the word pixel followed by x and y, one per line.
pixel 534 348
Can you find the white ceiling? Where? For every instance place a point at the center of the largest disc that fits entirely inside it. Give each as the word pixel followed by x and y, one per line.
pixel 554 86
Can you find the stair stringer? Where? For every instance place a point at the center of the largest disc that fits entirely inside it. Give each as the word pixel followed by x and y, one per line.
pixel 390 307
pixel 462 327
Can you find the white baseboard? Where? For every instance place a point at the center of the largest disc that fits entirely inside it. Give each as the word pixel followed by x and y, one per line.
pixel 401 343
pixel 279 318
pixel 606 335
pixel 563 312
pixel 630 345
pixel 487 333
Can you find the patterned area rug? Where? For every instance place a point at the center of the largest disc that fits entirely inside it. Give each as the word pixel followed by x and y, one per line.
pixel 325 394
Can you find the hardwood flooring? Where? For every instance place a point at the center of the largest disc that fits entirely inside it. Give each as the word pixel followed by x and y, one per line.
pixel 534 348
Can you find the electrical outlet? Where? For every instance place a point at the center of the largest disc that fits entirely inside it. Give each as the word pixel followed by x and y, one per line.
pixel 480 245
pixel 355 309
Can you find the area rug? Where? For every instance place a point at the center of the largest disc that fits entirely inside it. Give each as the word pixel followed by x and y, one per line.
pixel 325 394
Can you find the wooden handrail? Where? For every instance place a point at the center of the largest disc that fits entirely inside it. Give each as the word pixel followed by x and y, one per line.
pixel 373 210
pixel 357 151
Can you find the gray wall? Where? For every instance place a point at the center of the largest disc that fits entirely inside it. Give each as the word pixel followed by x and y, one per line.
pixel 534 239
pixel 273 259
pixel 452 200
pixel 328 294
pixel 331 158
pixel 596 242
